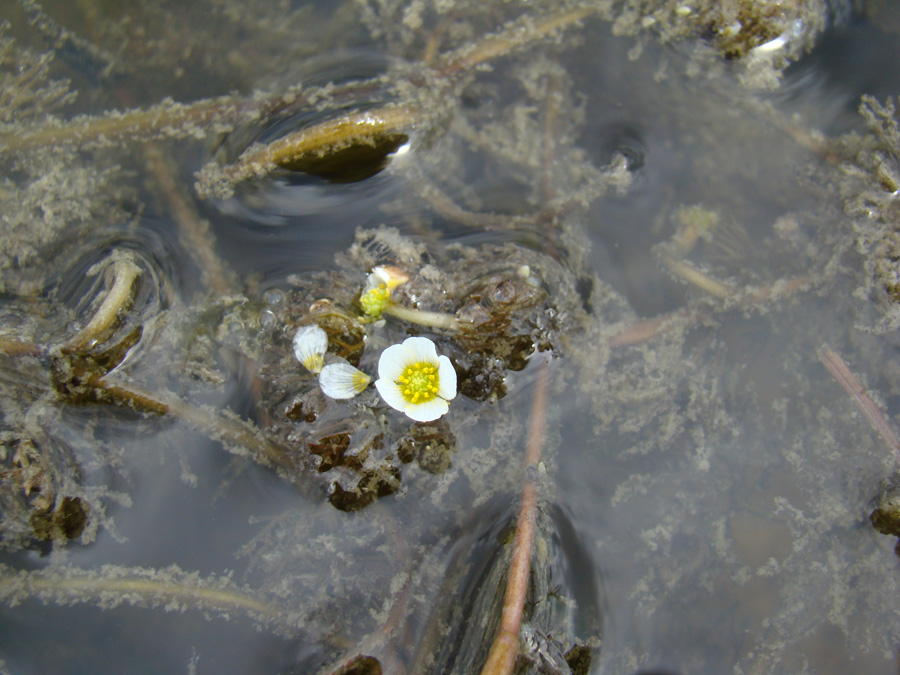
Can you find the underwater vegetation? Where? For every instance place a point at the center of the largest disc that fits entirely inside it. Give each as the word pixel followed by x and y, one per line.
pixel 444 336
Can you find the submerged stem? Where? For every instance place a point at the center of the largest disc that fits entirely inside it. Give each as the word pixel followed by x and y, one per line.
pixel 647 329
pixel 440 202
pixel 318 140
pixel 502 657
pixel 218 115
pixel 243 438
pixel 694 276
pixel 112 586
pixel 516 34
pixel 842 374
pixel 169 119
pixel 120 295
pixel 12 347
pixel 195 230
pixel 430 319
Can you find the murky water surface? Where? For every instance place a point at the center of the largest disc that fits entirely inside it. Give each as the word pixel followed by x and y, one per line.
pixel 608 224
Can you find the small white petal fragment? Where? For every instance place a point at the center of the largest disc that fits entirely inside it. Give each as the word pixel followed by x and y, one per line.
pixel 341 380
pixel 310 344
pixel 413 379
pixel 389 275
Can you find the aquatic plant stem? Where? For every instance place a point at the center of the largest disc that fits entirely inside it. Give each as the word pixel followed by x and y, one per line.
pixel 234 432
pixel 417 316
pixel 217 597
pixel 318 140
pixel 647 329
pixel 117 300
pixel 74 378
pixel 806 138
pixel 11 347
pixel 505 647
pixel 842 374
pixel 516 34
pixel 551 112
pixel 442 204
pixel 167 119
pixel 385 641
pixel 111 586
pixel 195 231
pixel 694 276
pixel 172 120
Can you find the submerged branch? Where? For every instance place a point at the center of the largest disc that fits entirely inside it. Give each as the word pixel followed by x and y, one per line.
pixel 111 586
pixel 440 202
pixel 219 115
pixel 195 231
pixel 515 35
pixel 647 329
pixel 79 378
pixel 809 139
pixel 694 276
pixel 165 120
pixel 316 141
pixel 82 54
pixel 237 435
pixel 842 374
pixel 12 347
pixel 116 302
pixel 502 657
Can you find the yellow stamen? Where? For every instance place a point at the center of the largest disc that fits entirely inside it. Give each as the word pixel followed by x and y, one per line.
pixel 419 382
pixel 375 300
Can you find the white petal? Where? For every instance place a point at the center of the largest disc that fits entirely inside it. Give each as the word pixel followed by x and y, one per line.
pixel 390 392
pixel 446 379
pixel 427 412
pixel 421 349
pixel 393 362
pixel 341 380
pixel 420 412
pixel 310 344
pixel 389 275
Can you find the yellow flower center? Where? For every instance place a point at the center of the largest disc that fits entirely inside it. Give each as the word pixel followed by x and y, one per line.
pixel 419 382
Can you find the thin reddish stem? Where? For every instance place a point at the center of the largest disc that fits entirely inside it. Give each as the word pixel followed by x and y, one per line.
pixel 841 372
pixel 502 657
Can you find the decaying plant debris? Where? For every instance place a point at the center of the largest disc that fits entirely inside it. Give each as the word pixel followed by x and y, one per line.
pixel 681 430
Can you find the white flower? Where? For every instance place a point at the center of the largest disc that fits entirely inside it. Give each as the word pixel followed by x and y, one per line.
pixel 310 343
pixel 341 380
pixel 413 379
